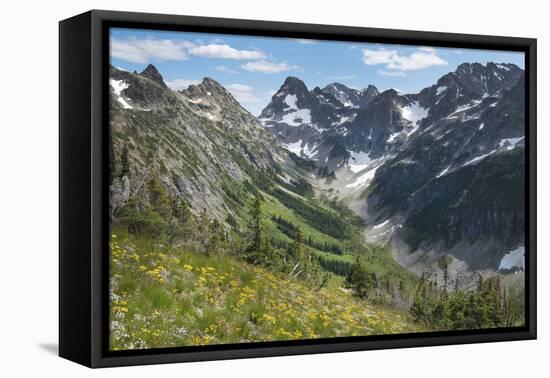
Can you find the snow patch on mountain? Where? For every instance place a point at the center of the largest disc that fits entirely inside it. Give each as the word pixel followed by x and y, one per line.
pixel 297 118
pixel 443 172
pixel 295 147
pixel 509 143
pixel 359 161
pixel 342 97
pixel 394 136
pixel 310 151
pixel 290 100
pixel 118 86
pixel 414 113
pixel 479 158
pixel 380 225
pixel 364 179
pixel 513 259
pixel 505 144
pixel 470 105
pixel 344 119
pixel 440 90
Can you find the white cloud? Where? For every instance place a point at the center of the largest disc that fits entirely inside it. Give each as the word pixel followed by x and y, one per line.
pixel 380 56
pixel 268 67
pixel 397 64
pixel 179 84
pixel 428 49
pixel 225 52
pixel 341 77
pixel 149 49
pixel 392 73
pixel 243 93
pixel 225 69
pixel 304 41
pixel 252 100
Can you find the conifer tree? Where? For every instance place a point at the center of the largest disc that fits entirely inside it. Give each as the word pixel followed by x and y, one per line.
pixel 298 246
pixel 359 280
pixel 124 162
pixel 255 225
pixel 479 282
pixel 444 265
pixel 253 251
pixel 158 198
pixel 216 238
pixel 183 224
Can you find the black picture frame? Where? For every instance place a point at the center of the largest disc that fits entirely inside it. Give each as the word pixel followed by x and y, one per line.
pixel 83 195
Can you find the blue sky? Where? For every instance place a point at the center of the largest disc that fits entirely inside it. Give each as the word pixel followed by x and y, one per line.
pixel 253 68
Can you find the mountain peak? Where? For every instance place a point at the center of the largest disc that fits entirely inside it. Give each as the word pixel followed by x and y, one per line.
pixel 293 80
pixel 337 85
pixel 350 96
pixel 369 93
pixel 210 83
pixel 152 73
pixel 208 87
pixel 334 87
pixel 370 89
pixel 293 85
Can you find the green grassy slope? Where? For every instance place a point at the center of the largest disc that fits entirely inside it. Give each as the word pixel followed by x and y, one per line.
pixel 163 296
pixel 376 259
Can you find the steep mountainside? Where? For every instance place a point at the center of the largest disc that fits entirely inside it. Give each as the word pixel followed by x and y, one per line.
pixel 207 150
pixel 442 170
pixel 198 140
pixel 458 184
pixel 339 125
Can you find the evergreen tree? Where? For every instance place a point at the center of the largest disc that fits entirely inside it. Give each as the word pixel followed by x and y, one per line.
pixel 444 265
pixel 216 238
pixel 298 250
pixel 255 249
pixel 255 224
pixel 479 282
pixel 158 198
pixel 359 280
pixel 124 162
pixel 183 223
pixel 141 219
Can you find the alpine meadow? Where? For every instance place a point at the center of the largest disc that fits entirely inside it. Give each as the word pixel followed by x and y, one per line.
pixel 385 196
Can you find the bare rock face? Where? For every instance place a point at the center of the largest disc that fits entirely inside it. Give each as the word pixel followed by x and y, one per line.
pixel 446 164
pixel 198 141
pixel 151 72
pixel 119 193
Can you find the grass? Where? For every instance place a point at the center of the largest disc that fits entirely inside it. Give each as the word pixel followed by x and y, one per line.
pixel 377 259
pixel 165 297
pixel 272 206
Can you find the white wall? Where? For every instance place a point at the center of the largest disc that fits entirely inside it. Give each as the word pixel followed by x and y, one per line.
pixel 28 189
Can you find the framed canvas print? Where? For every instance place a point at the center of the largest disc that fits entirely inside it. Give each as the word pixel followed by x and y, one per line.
pixel 234 188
